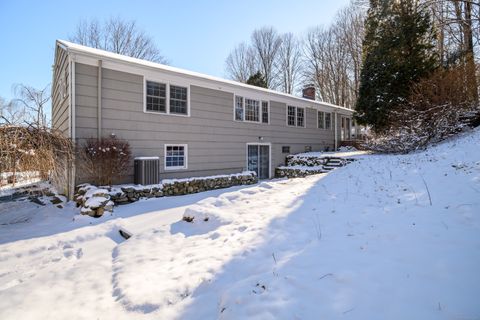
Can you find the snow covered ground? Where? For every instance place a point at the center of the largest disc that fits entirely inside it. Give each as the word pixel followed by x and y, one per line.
pixel 386 237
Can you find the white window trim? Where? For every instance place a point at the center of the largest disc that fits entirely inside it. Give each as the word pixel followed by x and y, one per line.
pixel 244 113
pixel 296 117
pixel 286 116
pixel 318 127
pixel 167 97
pixel 269 155
pixel 304 117
pixel 325 113
pixel 268 111
pixel 325 121
pixel 235 108
pixel 185 146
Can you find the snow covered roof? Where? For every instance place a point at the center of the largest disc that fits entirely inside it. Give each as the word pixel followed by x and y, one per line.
pixel 79 49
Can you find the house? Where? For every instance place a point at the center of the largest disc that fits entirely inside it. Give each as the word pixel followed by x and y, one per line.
pixel 198 125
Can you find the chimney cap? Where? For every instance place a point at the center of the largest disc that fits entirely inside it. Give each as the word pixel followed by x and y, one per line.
pixel 308 92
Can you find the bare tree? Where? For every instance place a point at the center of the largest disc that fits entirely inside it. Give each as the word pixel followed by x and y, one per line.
pixel 333 57
pixel 118 36
pixel 240 63
pixel 11 113
pixel 266 43
pixel 349 27
pixel 458 34
pixel 289 63
pixel 34 101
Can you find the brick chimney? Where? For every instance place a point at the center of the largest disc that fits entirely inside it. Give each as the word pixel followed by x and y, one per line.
pixel 308 92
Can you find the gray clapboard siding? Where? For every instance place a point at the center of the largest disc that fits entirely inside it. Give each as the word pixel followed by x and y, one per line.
pixel 60 93
pixel 216 143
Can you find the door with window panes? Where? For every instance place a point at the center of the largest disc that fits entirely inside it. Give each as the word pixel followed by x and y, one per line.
pixel 258 160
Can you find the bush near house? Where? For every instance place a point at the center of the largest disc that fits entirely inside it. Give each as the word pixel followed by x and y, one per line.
pixel 28 152
pixel 104 160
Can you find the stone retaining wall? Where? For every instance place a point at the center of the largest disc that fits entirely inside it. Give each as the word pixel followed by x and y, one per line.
pixel 293 160
pixel 286 172
pixel 94 201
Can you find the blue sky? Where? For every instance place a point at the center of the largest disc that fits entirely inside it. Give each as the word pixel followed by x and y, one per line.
pixel 194 35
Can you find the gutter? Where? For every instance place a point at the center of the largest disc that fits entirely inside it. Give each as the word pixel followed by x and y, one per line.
pixel 99 100
pixel 71 61
pixel 138 63
pixel 336 133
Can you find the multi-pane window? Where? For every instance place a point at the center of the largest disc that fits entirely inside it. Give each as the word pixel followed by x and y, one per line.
pixel 321 120
pixel 300 117
pixel 156 96
pixel 264 111
pixel 175 157
pixel 286 149
pixel 178 99
pixel 328 121
pixel 296 116
pixel 324 120
pixel 238 108
pixel 251 110
pixel 291 115
pixel 172 101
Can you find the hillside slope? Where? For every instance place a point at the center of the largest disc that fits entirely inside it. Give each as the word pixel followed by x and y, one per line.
pixel 387 237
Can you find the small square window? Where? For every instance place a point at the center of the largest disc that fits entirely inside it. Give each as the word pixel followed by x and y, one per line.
pixel 308 148
pixel 286 149
pixel 175 157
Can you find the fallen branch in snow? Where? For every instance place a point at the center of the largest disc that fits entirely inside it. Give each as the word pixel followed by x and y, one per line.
pixel 273 255
pixel 344 312
pixel 325 275
pixel 428 191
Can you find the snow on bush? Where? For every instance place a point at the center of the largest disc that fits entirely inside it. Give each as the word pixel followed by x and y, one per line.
pixel 105 160
pixel 439 107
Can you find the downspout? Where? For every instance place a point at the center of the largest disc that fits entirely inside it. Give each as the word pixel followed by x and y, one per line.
pixel 72 123
pixel 336 133
pixel 99 100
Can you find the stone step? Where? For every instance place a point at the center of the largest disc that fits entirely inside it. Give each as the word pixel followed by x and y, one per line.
pixel 334 164
pixel 328 168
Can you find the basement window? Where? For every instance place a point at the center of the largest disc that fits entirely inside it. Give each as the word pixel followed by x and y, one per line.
pixel 175 156
pixel 286 149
